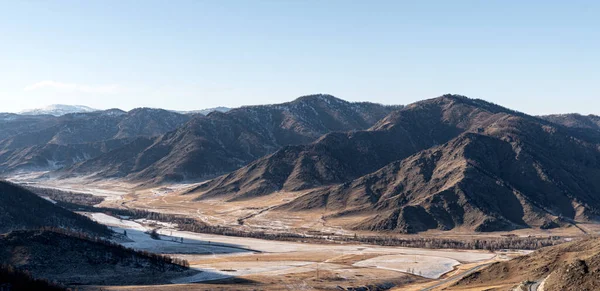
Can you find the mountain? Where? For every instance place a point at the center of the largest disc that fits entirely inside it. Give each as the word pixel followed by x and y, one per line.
pixel 211 145
pixel 207 110
pixel 569 266
pixel 75 259
pixel 444 163
pixel 575 120
pixel 339 157
pixel 21 209
pixel 58 110
pixel 210 110
pixel 47 142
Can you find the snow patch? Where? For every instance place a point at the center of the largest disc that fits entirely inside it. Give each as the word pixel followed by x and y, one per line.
pixel 48 198
pixel 116 222
pixel 425 266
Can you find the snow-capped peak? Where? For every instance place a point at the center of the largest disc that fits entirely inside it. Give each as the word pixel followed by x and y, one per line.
pixel 58 110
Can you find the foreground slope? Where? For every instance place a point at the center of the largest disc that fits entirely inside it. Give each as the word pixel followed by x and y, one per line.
pixel 211 145
pixel 20 280
pixel 570 266
pixel 73 259
pixel 21 209
pixel 444 163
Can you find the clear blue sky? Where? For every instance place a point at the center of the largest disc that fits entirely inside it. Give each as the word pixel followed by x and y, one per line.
pixel 535 56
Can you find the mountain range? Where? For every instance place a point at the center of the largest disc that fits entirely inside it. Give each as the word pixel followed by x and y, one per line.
pixel 64 109
pixel 440 164
pixel 445 163
pixel 207 146
pixel 163 145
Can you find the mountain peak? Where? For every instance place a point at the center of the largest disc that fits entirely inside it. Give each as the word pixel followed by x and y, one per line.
pixel 319 97
pixel 205 111
pixel 58 110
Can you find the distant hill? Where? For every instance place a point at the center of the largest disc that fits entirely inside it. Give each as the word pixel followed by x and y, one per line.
pixel 570 266
pixel 48 142
pixel 207 110
pixel 575 120
pixel 58 110
pixel 98 126
pixel 444 163
pixel 21 209
pixel 208 146
pixel 12 124
pixel 72 259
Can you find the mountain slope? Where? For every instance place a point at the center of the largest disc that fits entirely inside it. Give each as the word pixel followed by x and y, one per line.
pixel 495 169
pixel 54 156
pixel 210 145
pixel 570 266
pixel 340 157
pixel 474 181
pixel 13 124
pixel 21 209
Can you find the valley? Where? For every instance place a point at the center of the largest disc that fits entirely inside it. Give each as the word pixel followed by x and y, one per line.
pixel 299 145
pixel 319 260
pixel 259 214
pixel 265 263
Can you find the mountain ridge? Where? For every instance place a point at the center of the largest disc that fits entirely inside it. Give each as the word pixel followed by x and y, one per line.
pixel 58 110
pixel 233 139
pixel 430 166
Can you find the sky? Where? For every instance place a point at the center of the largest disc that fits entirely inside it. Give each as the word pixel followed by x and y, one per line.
pixel 538 57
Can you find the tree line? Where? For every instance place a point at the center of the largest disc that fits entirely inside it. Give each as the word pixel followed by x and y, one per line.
pixel 160 260
pixel 66 196
pixel 488 243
